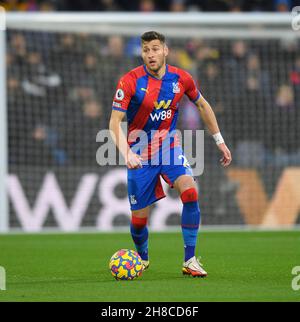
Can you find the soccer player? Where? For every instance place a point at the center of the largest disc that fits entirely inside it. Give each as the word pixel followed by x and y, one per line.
pixel 149 96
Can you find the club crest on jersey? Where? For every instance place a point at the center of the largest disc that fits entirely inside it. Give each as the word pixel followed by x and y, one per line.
pixel 176 88
pixel 119 94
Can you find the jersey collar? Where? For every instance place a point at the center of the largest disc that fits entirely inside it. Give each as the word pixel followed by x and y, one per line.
pixel 167 67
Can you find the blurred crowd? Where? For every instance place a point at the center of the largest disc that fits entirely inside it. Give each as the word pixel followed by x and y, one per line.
pixel 60 90
pixel 150 5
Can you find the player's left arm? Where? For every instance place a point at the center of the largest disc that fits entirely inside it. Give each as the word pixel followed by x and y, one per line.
pixel 208 116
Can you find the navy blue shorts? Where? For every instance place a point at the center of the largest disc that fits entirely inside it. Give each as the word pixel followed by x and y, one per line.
pixel 144 184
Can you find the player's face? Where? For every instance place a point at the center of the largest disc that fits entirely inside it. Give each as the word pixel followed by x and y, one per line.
pixel 154 54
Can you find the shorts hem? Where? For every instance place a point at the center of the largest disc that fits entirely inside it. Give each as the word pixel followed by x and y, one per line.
pixel 149 204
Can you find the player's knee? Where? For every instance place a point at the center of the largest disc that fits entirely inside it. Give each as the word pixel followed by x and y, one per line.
pixel 189 195
pixel 138 223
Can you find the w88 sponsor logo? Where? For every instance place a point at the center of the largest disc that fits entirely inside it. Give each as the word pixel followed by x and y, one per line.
pixel 161 115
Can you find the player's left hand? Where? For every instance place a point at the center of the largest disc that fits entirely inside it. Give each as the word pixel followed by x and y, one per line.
pixel 226 158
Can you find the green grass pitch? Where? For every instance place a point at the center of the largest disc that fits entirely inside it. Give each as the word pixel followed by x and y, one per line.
pixel 242 266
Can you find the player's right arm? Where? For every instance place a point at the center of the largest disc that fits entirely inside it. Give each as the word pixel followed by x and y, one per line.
pixel 124 93
pixel 132 160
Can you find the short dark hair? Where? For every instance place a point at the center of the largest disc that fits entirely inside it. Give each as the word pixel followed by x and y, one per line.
pixel 153 35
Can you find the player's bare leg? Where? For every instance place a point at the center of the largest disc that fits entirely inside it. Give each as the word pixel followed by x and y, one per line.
pixel 190 221
pixel 139 233
pixel 184 182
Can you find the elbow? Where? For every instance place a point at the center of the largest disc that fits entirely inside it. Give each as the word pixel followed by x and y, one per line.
pixel 201 108
pixel 112 124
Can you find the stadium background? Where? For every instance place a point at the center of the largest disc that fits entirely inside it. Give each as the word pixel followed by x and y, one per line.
pixel 60 87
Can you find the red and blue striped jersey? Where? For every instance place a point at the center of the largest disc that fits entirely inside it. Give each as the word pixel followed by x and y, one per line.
pixel 151 104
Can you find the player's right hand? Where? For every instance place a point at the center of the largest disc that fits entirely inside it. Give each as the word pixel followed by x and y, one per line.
pixel 133 160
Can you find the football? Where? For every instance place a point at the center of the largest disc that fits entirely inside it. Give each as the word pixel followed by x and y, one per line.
pixel 126 264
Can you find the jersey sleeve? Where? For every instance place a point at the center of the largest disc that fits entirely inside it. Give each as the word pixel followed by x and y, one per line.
pixel 123 95
pixel 191 89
